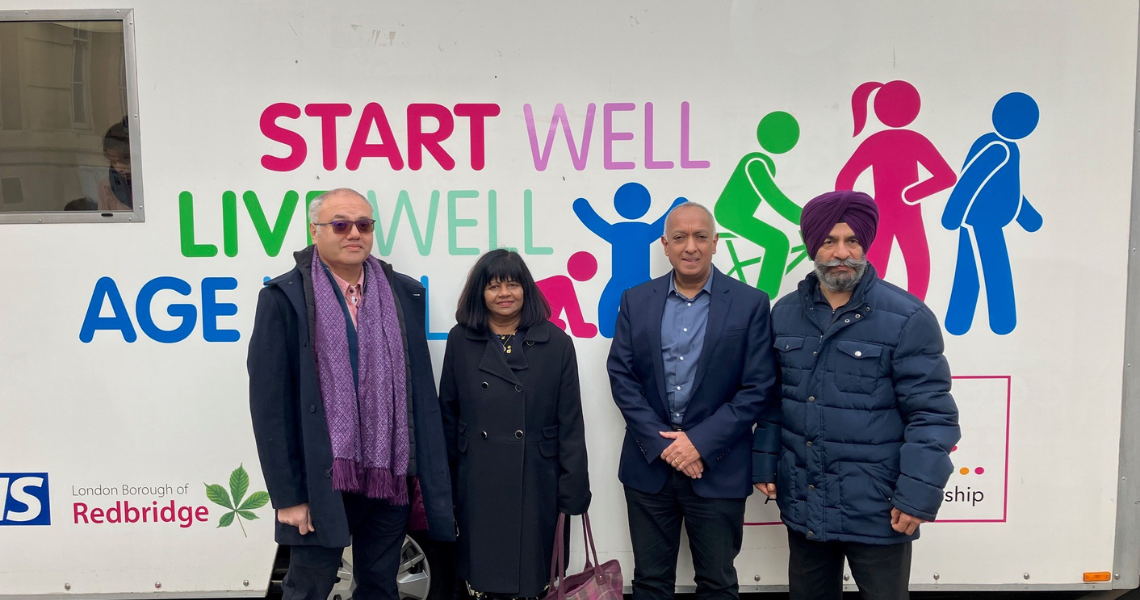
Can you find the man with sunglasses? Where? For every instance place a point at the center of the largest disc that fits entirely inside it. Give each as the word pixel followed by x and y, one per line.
pixel 344 407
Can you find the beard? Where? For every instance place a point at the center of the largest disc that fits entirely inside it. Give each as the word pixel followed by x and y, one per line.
pixel 840 282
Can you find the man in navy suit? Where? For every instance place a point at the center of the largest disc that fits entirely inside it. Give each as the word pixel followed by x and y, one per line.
pixel 692 370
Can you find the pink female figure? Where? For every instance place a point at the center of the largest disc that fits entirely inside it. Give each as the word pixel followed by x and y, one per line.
pixel 893 155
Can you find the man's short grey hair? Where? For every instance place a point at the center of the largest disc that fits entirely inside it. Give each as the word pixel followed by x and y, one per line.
pixel 315 205
pixel 691 204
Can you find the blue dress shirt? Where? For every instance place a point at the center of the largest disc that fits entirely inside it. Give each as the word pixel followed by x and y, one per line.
pixel 683 327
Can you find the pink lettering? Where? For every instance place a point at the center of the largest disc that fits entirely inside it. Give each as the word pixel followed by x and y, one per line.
pixel 649 162
pixel 374 114
pixel 328 114
pixel 114 514
pixel 419 140
pixel 542 158
pixel 97 515
pixel 685 162
pixel 477 113
pixel 80 512
pixel 185 516
pixel 273 131
pixel 202 514
pixel 609 136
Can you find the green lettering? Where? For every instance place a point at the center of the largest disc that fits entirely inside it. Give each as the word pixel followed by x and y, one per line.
pixel 404 205
pixel 229 224
pixel 492 220
pixel 186 230
pixel 454 223
pixel 271 238
pixel 528 227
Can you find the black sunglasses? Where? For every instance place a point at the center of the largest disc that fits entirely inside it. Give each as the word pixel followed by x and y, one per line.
pixel 340 226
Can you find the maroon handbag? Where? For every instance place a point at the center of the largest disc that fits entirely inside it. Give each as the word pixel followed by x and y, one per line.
pixel 595 582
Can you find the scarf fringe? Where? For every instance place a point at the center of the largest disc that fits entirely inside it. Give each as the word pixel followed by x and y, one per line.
pixel 379 483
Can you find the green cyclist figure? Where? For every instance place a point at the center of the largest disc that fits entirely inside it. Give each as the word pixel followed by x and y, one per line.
pixel 752 183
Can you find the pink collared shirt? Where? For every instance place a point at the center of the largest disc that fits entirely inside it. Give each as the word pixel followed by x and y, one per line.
pixel 353 294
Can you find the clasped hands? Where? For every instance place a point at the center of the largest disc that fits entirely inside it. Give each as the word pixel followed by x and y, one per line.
pixel 682 455
pixel 900 521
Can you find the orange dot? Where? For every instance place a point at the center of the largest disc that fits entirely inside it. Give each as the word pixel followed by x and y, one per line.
pixel 964 471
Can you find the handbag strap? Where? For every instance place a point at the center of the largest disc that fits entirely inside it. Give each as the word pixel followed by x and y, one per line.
pixel 588 539
pixel 557 561
pixel 558 558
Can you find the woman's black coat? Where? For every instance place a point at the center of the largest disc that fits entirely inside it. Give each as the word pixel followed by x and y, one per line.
pixel 517 447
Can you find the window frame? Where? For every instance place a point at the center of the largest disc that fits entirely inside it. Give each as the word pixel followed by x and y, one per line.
pixel 126 17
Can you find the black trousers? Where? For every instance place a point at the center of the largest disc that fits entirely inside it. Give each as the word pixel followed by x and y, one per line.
pixel 815 569
pixel 378 530
pixel 715 527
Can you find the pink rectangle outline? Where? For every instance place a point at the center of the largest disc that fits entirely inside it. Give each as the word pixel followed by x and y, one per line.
pixel 1005 491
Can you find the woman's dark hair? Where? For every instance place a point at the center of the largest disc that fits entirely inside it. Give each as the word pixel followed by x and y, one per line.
pixel 504 265
pixel 117 138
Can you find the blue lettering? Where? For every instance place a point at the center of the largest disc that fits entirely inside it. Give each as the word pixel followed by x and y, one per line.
pixel 212 309
pixel 186 312
pixel 431 335
pixel 119 320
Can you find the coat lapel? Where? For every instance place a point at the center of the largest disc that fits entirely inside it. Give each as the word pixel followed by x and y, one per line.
pixel 294 288
pixel 719 304
pixel 493 361
pixel 656 312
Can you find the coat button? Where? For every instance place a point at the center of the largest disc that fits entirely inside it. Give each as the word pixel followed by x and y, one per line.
pixel 484 435
pixel 811 398
pixel 518 388
pixel 811 488
pixel 313 408
pixel 811 534
pixel 529 342
pixel 809 444
pixel 846 320
pixel 518 434
pixel 858 353
pixel 484 385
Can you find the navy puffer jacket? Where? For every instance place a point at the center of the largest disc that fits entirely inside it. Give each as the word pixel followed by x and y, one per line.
pixel 866 421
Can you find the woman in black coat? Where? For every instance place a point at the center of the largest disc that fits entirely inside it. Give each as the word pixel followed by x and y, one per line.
pixel 512 415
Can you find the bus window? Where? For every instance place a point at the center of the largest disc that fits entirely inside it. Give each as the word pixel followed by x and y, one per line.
pixel 68 126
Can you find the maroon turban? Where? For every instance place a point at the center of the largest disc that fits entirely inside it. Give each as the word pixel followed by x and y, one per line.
pixel 821 214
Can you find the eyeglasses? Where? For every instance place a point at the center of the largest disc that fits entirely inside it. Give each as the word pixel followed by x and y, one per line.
pixel 341 227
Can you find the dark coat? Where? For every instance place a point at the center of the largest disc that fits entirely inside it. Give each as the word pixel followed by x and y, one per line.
pixel 734 386
pixel 289 417
pixel 517 442
pixel 867 420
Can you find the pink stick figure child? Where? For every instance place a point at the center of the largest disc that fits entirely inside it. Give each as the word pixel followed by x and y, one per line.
pixel 893 155
pixel 559 292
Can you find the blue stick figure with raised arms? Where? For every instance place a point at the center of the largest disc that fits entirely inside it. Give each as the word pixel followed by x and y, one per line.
pixel 631 243
pixel 985 200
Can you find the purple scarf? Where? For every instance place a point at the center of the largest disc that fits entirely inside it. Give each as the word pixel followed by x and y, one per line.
pixel 369 430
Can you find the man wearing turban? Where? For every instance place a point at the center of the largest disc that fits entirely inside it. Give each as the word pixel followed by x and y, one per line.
pixel 859 454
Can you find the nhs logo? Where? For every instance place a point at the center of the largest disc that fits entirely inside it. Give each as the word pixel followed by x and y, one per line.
pixel 24 499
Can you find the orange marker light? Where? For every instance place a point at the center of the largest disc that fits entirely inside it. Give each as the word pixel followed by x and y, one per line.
pixel 1098 576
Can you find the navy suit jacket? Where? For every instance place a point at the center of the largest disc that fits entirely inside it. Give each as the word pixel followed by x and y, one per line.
pixel 734 386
